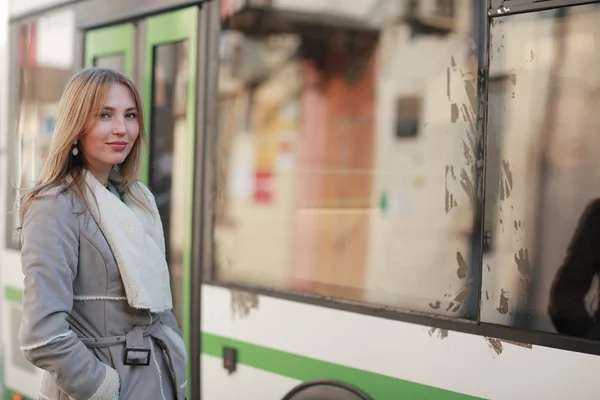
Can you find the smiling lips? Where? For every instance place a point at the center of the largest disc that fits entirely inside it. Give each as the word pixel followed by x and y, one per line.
pixel 118 146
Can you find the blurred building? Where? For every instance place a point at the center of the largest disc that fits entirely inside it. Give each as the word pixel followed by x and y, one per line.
pixel 344 126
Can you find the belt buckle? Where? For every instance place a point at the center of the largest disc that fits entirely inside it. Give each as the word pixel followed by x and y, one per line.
pixel 136 362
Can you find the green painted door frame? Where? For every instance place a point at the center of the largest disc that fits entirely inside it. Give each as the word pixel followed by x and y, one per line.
pixel 162 29
pixel 114 40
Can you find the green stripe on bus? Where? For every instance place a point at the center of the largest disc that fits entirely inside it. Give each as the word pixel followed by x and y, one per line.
pixel 13 295
pixel 379 387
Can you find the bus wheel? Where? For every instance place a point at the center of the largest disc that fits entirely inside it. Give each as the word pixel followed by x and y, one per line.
pixel 325 390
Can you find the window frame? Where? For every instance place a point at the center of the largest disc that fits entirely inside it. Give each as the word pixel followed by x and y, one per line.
pixel 483 18
pixel 499 8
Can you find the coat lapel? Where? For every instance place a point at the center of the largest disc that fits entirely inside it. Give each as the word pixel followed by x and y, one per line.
pixel 136 239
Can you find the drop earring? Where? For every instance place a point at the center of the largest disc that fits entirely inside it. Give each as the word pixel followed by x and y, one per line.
pixel 75 150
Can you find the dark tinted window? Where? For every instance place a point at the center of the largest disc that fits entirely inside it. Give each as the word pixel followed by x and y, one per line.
pixel 168 154
pixel 544 172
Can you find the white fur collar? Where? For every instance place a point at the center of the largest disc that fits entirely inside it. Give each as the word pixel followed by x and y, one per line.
pixel 136 239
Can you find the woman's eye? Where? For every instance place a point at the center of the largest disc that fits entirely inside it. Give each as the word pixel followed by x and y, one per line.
pixel 104 115
pixel 131 115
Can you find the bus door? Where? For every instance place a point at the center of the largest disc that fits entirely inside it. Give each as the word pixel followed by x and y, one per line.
pixel 161 51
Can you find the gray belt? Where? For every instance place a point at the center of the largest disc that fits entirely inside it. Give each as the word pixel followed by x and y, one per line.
pixel 136 353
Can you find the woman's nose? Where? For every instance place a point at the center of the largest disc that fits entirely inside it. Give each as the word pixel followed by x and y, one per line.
pixel 119 127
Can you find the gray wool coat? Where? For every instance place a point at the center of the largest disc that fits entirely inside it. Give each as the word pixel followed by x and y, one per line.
pixel 78 324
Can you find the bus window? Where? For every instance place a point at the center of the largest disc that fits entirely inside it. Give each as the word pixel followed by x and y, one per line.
pixel 543 147
pixel 346 155
pixel 41 72
pixel 168 161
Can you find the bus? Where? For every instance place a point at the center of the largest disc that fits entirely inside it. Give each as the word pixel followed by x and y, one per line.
pixel 362 199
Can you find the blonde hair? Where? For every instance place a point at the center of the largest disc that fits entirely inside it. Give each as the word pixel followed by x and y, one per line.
pixel 82 101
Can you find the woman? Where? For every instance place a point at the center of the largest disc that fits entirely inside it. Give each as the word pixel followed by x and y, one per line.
pixel 97 302
pixel 575 277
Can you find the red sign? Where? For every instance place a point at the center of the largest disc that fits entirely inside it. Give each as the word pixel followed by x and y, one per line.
pixel 263 186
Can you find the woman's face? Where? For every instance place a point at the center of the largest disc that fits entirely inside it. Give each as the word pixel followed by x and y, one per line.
pixel 112 133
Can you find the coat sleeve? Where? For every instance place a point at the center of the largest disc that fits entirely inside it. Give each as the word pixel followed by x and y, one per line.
pixel 49 259
pixel 574 278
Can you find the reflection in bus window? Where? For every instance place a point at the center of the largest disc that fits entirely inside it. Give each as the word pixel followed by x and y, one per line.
pixel 543 161
pixel 572 283
pixel 168 160
pixel 346 152
pixel 43 71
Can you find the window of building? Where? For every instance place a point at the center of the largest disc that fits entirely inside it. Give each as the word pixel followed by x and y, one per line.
pixel 315 193
pixel 543 144
pixel 41 70
pixel 408 110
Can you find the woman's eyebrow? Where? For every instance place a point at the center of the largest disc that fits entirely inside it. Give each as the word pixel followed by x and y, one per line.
pixel 108 108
